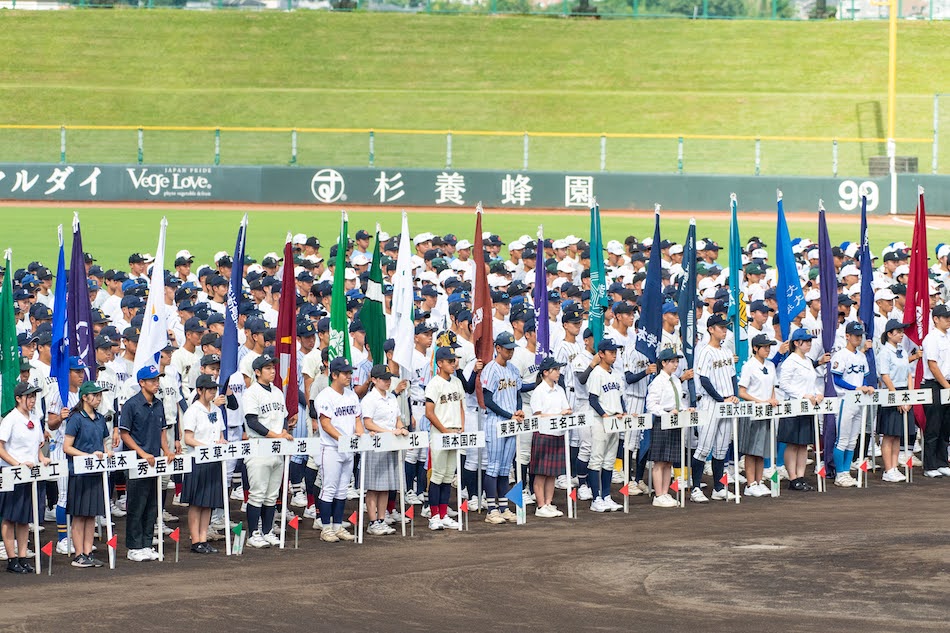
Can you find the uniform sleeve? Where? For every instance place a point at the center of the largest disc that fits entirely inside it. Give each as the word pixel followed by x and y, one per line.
pixel 596 381
pixel 432 391
pixel 883 360
pixel 72 426
pixel 746 378
pixel 6 430
pixel 252 404
pixel 324 405
pixel 369 403
pixel 189 421
pixel 837 364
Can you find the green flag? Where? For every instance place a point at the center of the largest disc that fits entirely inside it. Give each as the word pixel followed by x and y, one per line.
pixel 374 322
pixel 9 349
pixel 339 328
pixel 237 529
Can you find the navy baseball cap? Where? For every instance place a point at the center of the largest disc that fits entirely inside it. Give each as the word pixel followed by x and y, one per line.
pixel 716 319
pixel 340 364
pixel 759 306
pixel 667 353
pixel 423 328
pixel 855 328
pixel 607 345
pixel 762 340
pixel 445 353
pixel 262 361
pixel 194 324
pixel 505 340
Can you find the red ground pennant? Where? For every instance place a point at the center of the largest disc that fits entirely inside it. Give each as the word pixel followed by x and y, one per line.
pixel 675 486
pixel 114 541
pixel 910 462
pixel 625 491
pixel 47 549
pixel 175 534
pixel 352 518
pixel 821 471
pixel 573 494
pixel 294 522
pixel 411 512
pixel 864 466
pixel 724 480
pixel 463 507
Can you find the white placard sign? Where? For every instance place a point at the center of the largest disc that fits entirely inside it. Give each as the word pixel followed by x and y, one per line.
pixel 120 460
pixel 452 441
pixel 689 417
pixel 627 422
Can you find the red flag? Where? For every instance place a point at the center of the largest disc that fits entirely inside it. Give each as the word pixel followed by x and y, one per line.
pixel 481 306
pixel 625 491
pixel 574 494
pixel 286 344
pixel 864 466
pixel 821 471
pixel 175 535
pixel 114 542
pixel 917 308
pixel 294 522
pixel 463 507
pixel 411 512
pixel 724 480
pixel 675 486
pixel 47 549
pixel 352 518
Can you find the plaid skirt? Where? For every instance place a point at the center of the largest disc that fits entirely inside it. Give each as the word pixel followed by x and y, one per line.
pixel 85 496
pixel 382 470
pixel 799 430
pixel 17 505
pixel 202 486
pixel 547 455
pixel 665 446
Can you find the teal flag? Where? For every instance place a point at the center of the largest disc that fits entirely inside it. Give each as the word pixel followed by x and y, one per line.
pixel 737 305
pixel 598 281
pixel 371 314
pixel 339 327
pixel 9 349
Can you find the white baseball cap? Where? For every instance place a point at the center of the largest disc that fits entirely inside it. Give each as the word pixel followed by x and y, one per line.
pixel 565 266
pixel 497 281
pixel 855 289
pixel 349 273
pixel 760 253
pixel 943 251
pixel 422 237
pixel 572 239
pixel 299 238
pixel 185 254
pixel 850 269
pixel 903 269
pixel 559 244
pixel 516 245
pixel 614 247
pixel 462 244
pixel 676 249
pixel 884 294
pixel 812 295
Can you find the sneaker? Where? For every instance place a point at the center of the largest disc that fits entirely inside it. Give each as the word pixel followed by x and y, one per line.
pixel 723 495
pixel 386 530
pixel 310 512
pixel 642 485
pixel 435 524
pixel 760 490
pixel 494 517
pixel 554 509
pixel 634 489
pixel 14 567
pixel 137 555
pixel 117 511
pixel 933 473
pixel 165 530
pixel 81 561
pixel 121 503
pixel 545 512
pixel 61 548
pixel 598 505
pixel 426 512
pixel 352 493
pixel 395 517
pixel 3 552
pixel 782 473
pixel 375 529
pixel 584 493
pixel 917 463
pixel 732 479
pixel 168 517
pixel 529 498
pixel 257 540
pixel 214 535
pixel 698 496
pixel 473 505
pixel 664 501
pixel 95 561
pixel 893 476
pixel 945 471
pixel 299 500
pixel 42 528
pixel 411 498
pixel 449 523
pixel 617 477
pixel 343 535
pixel 561 482
pixel 509 516
pixel 272 538
pixel 768 472
pixel 611 504
pixel 707 468
pixel 151 552
pixel 237 494
pixel 450 512
pixel 843 480
pixel 751 491
pixel 176 500
pixel 875 451
pixel 327 535
pixel 318 524
pixel 49 516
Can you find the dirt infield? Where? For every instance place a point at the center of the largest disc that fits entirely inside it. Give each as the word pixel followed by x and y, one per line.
pixel 847 560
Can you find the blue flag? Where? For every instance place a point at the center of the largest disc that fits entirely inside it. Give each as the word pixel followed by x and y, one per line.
pixel 650 326
pixel 788 295
pixel 828 287
pixel 686 303
pixel 78 308
pixel 737 308
pixel 516 495
pixel 598 280
pixel 229 342
pixel 59 361
pixel 866 307
pixel 540 299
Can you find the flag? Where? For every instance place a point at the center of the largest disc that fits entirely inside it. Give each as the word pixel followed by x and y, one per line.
pixel 339 327
pixel 917 308
pixel 686 305
pixel 789 296
pixel 403 305
pixel 482 305
pixel 411 512
pixel 229 341
pixel 598 281
pixel 59 351
pixel 47 549
pixel 154 335
pixel 286 346
pixel 175 534
pixel 650 326
pixel 625 490
pixel 238 529
pixel 294 522
pixel 828 289
pixel 112 542
pixel 9 348
pixel 540 298
pixel 737 308
pixel 866 307
pixel 78 309
pixel 371 314
pixel 352 518
pixel 516 494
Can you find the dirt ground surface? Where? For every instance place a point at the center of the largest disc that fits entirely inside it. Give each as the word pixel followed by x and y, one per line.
pixel 870 560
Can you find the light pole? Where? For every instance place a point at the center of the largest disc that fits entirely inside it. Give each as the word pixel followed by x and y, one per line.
pixel 892 98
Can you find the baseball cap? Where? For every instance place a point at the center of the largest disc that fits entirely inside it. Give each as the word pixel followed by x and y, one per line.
pixel 941 310
pixel 855 328
pixel 262 361
pixel 194 324
pixel 339 364
pixel 445 353
pixel 104 342
pixel 424 328
pixel 762 340
pixel 89 387
pixel 667 353
pixel 549 362
pixel 381 372
pixel 206 382
pixel 505 340
pixel 759 306
pixel 25 389
pixel 148 372
pixel 716 319
pixel 210 359
pixel 607 345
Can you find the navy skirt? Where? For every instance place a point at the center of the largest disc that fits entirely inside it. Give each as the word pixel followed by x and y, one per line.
pixel 547 455
pixel 17 505
pixel 202 486
pixel 665 446
pixel 799 430
pixel 890 422
pixel 84 498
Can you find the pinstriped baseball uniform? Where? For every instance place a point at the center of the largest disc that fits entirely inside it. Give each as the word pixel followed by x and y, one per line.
pixel 718 365
pixel 504 383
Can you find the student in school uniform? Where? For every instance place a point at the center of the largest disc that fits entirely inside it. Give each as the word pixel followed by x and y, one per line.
pixel 202 425
pixel 894 367
pixel 547 449
pixel 798 378
pixel 87 433
pixel 380 411
pixel 757 384
pixel 20 440
pixel 665 395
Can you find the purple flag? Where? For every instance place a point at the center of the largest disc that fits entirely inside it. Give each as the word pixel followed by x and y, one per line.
pixel 828 282
pixel 541 302
pixel 78 309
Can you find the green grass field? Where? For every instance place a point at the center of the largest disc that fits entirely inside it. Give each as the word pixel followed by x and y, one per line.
pixel 382 70
pixel 112 234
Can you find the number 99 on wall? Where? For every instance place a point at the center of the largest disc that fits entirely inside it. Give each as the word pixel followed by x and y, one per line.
pixel 850 192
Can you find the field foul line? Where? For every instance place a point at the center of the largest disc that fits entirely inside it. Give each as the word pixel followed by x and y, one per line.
pixel 930 227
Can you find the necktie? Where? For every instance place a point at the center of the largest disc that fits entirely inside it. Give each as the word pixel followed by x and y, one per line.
pixel 676 393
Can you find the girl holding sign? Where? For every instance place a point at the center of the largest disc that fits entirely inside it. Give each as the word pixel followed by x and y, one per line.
pixel 665 395
pixel 381 415
pixel 202 488
pixel 20 441
pixel 757 384
pixel 86 434
pixel 547 448
pixel 798 379
pixel 893 364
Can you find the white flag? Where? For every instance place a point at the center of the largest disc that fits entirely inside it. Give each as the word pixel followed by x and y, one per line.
pixel 403 301
pixel 154 335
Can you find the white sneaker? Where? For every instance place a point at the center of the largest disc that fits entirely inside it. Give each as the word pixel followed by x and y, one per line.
pixel 933 473
pixel 529 498
pixel 944 471
pixel 494 517
pixel 584 493
pixel 843 480
pixel 61 548
pixel 310 512
pixel 318 524
pixel 165 530
pixel 553 508
pixel 875 451
pixel 217 523
pixel 617 477
pixel 732 479
pixel 698 496
pixel 375 529
pixel 117 511
pixel 561 482
pixel 893 476
pixel 610 503
pixel 449 523
pixel 327 535
pixel 49 516
pixel 168 517
pixel 272 538
pixel 137 556
pixel 473 505
pixel 642 485
pixel 395 517
pixel 758 490
pixel 121 503
pixel 352 493
pixel 707 468
pixel 435 524
pixel 257 540
pixel 768 472
pixel 412 499
pixel 634 489
pixel 152 553
pixel 723 495
pixel 782 473
pixel 598 505
pixel 176 500
pixel 450 512
pixel 750 490
pixel 42 528
pixel 664 501
pixel 3 552
pixel 545 512
pixel 426 512
pixel 299 500
pixel 856 464
pixel 237 494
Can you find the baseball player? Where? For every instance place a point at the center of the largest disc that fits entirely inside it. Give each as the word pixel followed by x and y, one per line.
pixel 605 395
pixel 445 411
pixel 849 369
pixel 501 388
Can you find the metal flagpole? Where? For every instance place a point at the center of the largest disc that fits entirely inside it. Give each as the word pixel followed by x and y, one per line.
pixel 36 528
pixel 105 496
pixel 284 484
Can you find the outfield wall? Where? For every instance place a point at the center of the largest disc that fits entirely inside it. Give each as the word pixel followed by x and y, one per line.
pixel 454 188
